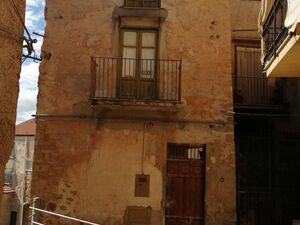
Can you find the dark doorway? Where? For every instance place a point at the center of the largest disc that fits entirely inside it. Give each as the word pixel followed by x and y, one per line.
pixel 185 185
pixel 268 178
pixel 13 218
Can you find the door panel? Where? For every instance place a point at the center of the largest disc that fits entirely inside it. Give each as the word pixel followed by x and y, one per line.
pixel 185 190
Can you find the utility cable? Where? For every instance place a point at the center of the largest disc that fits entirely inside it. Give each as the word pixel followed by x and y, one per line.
pixel 29 41
pixel 12 33
pixel 17 12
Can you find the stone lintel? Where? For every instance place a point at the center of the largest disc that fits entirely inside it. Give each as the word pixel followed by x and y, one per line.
pixel 120 12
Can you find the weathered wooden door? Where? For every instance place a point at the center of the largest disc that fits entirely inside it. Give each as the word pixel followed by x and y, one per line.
pixel 138 71
pixel 185 185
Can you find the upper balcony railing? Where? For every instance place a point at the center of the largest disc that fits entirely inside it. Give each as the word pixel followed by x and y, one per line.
pixel 274 31
pixel 251 88
pixel 257 92
pixel 135 79
pixel 142 3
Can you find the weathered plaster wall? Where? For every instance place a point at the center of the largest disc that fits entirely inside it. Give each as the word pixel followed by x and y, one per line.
pixel 94 180
pixel 10 66
pixel 86 167
pixel 9 203
pixel 24 149
pixel 21 181
pixel 244 17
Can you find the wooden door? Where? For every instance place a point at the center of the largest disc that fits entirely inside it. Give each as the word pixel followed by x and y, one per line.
pixel 138 73
pixel 185 186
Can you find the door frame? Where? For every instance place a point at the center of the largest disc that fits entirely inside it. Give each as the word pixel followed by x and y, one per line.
pixel 165 174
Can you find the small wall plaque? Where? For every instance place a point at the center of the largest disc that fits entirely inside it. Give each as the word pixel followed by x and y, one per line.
pixel 142 185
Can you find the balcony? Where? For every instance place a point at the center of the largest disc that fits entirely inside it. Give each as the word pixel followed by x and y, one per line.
pixel 142 3
pixel 135 81
pixel 257 92
pixel 280 38
pixel 251 88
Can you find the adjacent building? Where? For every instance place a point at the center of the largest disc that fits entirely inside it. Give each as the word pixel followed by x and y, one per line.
pixel 11 39
pixel 134 114
pixel 266 121
pixel 17 180
pixel 280 35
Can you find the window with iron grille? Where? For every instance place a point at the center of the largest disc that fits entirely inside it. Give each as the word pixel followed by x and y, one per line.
pixel 251 87
pixel 186 152
pixel 142 3
pixel 8 178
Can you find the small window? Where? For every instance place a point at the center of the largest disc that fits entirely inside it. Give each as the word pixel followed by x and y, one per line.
pixel 142 3
pixel 13 152
pixel 28 165
pixel 8 178
pixel 185 152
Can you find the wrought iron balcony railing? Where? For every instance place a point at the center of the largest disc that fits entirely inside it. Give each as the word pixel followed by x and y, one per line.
pixel 142 3
pixel 274 31
pixel 251 88
pixel 135 79
pixel 250 91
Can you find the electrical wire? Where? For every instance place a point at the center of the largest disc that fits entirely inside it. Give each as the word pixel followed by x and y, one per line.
pixel 29 41
pixel 24 59
pixel 11 33
pixel 17 12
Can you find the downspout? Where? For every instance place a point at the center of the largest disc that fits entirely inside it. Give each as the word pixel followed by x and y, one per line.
pixel 23 185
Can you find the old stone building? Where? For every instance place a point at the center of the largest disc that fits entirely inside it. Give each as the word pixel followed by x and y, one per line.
pixel 134 118
pixel 17 181
pixel 11 33
pixel 266 121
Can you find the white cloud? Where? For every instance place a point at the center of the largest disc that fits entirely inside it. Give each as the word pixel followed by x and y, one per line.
pixel 35 3
pixel 32 18
pixel 26 105
pixel 28 91
pixel 34 21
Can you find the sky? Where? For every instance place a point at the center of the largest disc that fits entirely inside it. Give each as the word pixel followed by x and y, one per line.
pixel 34 20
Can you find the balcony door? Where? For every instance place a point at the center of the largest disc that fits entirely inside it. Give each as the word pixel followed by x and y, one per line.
pixel 137 73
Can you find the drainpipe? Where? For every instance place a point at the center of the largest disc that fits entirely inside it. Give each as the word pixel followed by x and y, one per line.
pixel 21 204
pixel 23 184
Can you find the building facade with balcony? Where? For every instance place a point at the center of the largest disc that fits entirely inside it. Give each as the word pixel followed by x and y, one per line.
pixel 279 22
pixel 132 125
pixel 17 179
pixel 266 129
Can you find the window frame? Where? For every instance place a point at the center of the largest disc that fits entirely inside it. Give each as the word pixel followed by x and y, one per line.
pixel 138 78
pixel 139 4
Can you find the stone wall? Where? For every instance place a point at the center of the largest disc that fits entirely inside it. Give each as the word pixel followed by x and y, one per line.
pixel 85 161
pixel 10 66
pixel 245 19
pixel 21 178
pixel 8 204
